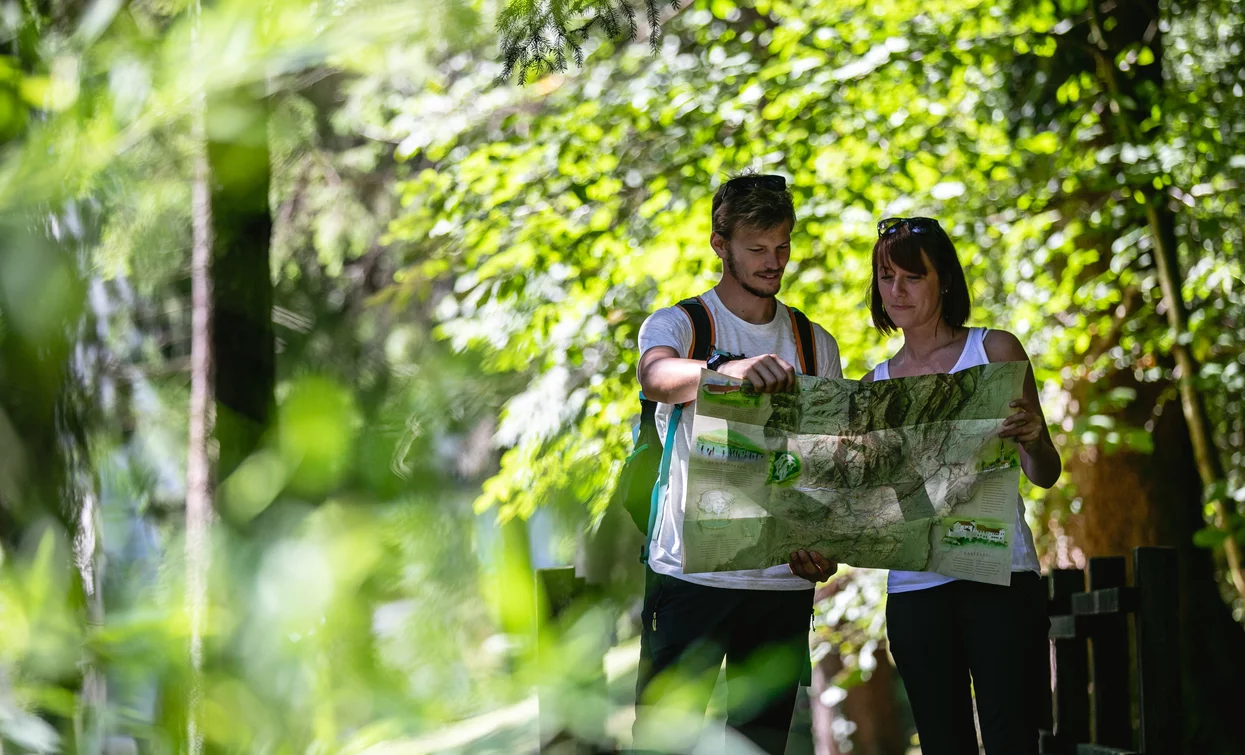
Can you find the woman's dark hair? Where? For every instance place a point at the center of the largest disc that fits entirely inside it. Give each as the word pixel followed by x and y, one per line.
pixel 900 246
pixel 758 201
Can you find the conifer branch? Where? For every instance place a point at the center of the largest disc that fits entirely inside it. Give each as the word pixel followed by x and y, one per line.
pixel 540 37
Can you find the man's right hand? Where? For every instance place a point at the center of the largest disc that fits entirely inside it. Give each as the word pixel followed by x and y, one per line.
pixel 812 566
pixel 768 373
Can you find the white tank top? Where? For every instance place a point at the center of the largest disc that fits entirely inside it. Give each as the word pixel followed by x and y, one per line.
pixel 1024 555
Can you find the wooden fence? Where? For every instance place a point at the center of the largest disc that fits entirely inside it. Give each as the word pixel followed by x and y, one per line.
pixel 1114 649
pixel 1104 702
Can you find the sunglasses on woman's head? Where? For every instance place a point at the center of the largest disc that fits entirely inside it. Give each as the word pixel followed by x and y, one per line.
pixel 915 225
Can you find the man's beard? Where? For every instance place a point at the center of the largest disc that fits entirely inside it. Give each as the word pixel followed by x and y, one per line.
pixel 734 271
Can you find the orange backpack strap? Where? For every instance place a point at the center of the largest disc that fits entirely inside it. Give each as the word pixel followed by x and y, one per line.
pixel 805 342
pixel 703 334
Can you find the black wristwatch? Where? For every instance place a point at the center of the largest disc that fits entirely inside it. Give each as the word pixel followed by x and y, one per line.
pixel 720 358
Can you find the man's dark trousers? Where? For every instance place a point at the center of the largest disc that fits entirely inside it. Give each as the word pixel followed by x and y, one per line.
pixel 762 634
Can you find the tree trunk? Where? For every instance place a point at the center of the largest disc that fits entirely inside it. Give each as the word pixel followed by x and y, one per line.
pixel 1125 495
pixel 823 715
pixel 46 482
pixel 87 551
pixel 1209 466
pixel 198 462
pixel 242 333
pixel 871 707
pixel 232 351
pixel 39 411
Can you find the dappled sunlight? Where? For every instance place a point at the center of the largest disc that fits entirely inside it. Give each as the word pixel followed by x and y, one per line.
pixel 400 294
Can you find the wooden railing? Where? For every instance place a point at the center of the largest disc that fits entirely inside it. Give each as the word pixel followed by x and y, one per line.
pixel 1116 661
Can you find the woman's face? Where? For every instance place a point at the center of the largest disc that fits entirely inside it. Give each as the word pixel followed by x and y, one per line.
pixel 910 298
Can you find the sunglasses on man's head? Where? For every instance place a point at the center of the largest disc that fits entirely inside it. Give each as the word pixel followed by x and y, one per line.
pixel 915 225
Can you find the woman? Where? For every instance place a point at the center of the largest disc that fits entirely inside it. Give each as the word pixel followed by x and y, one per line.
pixel 941 629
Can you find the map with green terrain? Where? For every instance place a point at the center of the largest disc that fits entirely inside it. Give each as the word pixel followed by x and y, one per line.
pixel 907 473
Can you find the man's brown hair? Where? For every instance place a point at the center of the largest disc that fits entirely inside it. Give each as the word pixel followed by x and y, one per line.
pixel 756 201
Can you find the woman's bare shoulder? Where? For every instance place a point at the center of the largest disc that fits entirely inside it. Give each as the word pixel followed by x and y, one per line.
pixel 1004 346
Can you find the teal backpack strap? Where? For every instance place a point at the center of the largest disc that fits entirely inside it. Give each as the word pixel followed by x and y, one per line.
pixel 663 476
pixel 703 335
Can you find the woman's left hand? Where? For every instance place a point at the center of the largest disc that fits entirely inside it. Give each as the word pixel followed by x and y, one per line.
pixel 1025 424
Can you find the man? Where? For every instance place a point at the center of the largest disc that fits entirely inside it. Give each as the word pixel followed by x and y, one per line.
pixel 757 620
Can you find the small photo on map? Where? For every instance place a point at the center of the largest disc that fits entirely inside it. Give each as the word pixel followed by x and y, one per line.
pixel 714 510
pixel 963 532
pixel 730 394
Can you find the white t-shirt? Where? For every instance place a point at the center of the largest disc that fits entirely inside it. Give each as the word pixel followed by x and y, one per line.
pixel 671 327
pixel 1024 554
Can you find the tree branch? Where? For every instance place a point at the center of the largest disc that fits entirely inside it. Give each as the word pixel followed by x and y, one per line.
pixel 539 37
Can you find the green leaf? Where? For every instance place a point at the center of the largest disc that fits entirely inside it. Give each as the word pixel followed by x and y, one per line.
pixel 1041 144
pixel 1209 537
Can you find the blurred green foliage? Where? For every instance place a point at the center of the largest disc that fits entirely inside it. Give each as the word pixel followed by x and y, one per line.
pixel 460 270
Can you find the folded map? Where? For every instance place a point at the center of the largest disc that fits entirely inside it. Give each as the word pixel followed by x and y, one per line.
pixel 907 473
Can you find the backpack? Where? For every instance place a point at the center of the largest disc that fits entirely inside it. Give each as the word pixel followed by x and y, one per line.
pixel 642 484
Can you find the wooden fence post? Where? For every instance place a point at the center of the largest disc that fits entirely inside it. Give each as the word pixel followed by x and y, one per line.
pixel 1158 627
pixel 1100 615
pixel 1071 672
pixel 1111 710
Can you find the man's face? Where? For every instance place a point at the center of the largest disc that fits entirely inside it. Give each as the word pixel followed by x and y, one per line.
pixel 756 257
